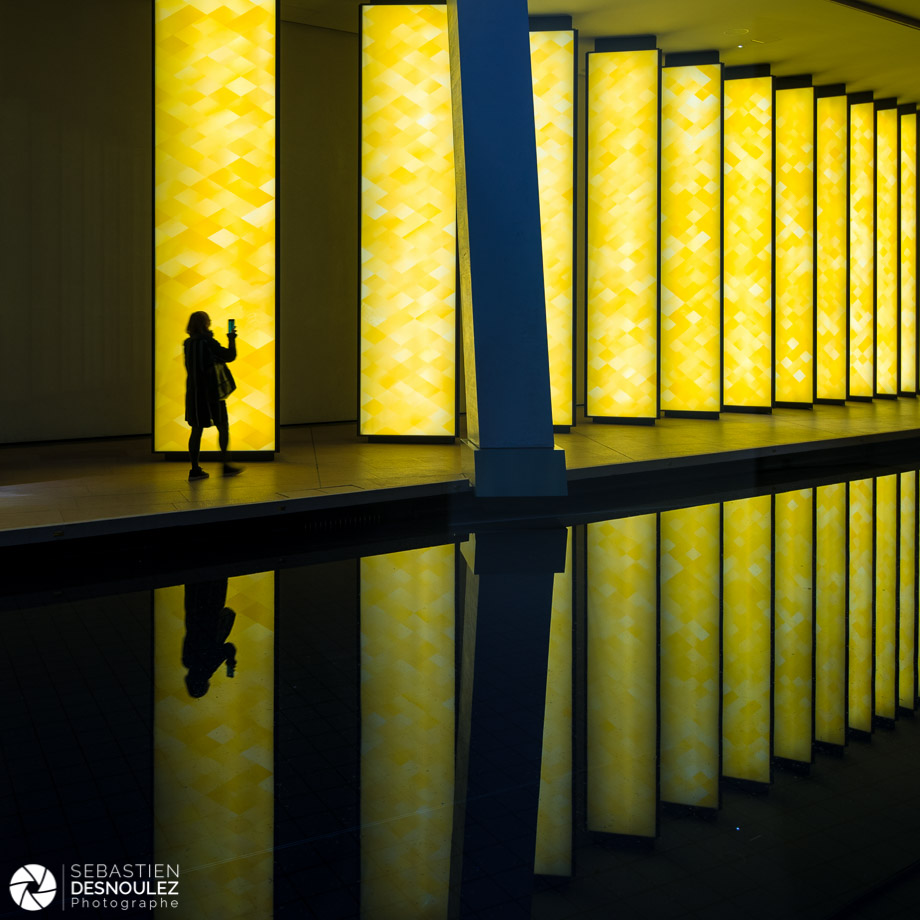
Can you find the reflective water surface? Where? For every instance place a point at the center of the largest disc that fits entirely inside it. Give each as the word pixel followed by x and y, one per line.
pixel 696 712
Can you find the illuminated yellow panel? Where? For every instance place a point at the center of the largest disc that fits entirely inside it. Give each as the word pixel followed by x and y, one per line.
pixel 886 596
pixel 886 252
pixel 407 732
pixel 747 352
pixel 622 233
pixel 830 613
pixel 862 249
pixel 690 656
pixel 213 756
pixel 831 264
pixel 408 224
pixel 859 605
pixel 554 815
pixel 795 228
pixel 793 517
pixel 907 605
pixel 746 640
pixel 552 57
pixel 908 236
pixel 622 689
pixel 690 238
pixel 214 206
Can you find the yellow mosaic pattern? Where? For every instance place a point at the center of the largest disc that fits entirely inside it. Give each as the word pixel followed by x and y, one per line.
pixel 907 583
pixel 690 697
pixel 831 264
pixel 408 224
pixel 886 595
pixel 622 686
pixel 908 236
pixel 214 206
pixel 830 613
pixel 554 814
pixel 746 639
pixel 747 345
pixel 859 604
pixel 862 249
pixel 886 252
pixel 407 732
pixel 214 758
pixel 793 516
pixel 795 228
pixel 690 238
pixel 622 235
pixel 552 60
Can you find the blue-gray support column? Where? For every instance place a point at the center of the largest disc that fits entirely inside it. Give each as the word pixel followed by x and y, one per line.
pixel 509 448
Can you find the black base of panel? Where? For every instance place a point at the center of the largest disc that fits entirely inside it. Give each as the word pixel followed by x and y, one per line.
pixel 407 439
pixel 748 410
pixel 209 456
pixel 679 413
pixel 605 420
pixel 793 405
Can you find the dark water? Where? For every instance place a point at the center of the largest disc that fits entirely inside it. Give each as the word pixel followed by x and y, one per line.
pixel 704 711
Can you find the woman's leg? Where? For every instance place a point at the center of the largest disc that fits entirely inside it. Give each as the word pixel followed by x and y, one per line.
pixel 194 446
pixel 223 440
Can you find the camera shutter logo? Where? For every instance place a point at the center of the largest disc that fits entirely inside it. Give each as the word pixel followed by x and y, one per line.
pixel 33 887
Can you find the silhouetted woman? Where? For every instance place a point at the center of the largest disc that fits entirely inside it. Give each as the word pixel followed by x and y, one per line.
pixel 209 384
pixel 207 625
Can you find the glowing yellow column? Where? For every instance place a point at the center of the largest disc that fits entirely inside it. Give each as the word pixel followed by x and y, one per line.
pixel 691 142
pixel 886 596
pixel 908 248
pixel 859 604
pixel 793 631
pixel 747 348
pixel 861 229
pixel 407 732
pixel 831 257
pixel 622 234
pixel 746 639
pixel 623 676
pixel 886 250
pixel 408 224
pixel 554 814
pixel 831 614
pixel 214 751
pixel 690 693
pixel 795 229
pixel 214 206
pixel 552 56
pixel 907 600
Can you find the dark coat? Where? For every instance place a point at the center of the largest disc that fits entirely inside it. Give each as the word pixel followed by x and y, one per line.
pixel 202 402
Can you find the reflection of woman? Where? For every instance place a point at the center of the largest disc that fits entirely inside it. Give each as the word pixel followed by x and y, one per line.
pixel 207 625
pixel 208 386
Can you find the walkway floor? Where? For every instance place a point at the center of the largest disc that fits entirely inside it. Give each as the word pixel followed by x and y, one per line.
pixel 81 488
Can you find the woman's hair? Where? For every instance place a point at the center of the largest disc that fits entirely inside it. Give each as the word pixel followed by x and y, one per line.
pixel 198 323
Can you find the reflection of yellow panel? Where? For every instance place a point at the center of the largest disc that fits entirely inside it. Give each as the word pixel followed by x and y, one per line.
pixel 795 225
pixel 622 233
pixel 793 517
pixel 407 732
pixel 408 224
pixel 746 641
pixel 214 754
pixel 747 352
pixel 622 676
pixel 831 264
pixel 908 235
pixel 886 252
pixel 907 602
pixel 830 614
pixel 554 817
pixel 859 605
pixel 690 656
pixel 214 205
pixel 862 248
pixel 690 238
pixel 886 595
pixel 552 58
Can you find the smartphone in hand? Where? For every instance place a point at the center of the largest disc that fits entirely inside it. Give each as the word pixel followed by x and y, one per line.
pixel 231 326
